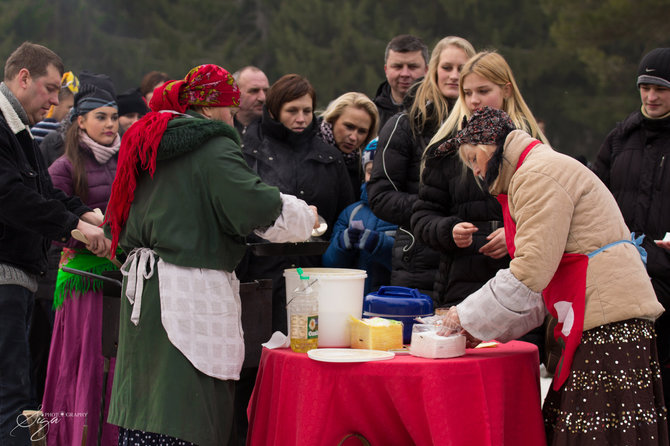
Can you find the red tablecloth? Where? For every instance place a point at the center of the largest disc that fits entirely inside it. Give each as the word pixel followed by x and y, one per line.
pixel 490 396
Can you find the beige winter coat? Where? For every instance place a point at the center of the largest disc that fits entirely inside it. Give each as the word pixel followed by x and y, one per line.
pixel 560 206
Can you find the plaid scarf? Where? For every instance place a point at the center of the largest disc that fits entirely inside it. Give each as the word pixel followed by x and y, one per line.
pixel 325 132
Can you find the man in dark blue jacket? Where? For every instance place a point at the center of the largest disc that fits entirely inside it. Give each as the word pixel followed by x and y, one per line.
pixel 33 213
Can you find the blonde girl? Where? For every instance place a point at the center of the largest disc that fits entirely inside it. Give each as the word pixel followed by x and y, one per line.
pixel 394 182
pixel 487 80
pixel 440 86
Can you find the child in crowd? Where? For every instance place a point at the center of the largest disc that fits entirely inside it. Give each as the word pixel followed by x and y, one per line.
pixel 360 239
pixel 68 88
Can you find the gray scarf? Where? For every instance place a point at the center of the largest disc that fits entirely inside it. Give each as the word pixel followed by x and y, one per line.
pixel 16 105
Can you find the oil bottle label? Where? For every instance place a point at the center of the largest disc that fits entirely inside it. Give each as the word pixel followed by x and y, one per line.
pixel 312 327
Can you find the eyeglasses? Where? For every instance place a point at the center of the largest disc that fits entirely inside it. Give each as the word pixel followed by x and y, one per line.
pixel 70 82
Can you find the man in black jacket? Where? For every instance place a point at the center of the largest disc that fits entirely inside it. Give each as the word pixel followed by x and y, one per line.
pixel 405 62
pixel 254 85
pixel 33 214
pixel 634 163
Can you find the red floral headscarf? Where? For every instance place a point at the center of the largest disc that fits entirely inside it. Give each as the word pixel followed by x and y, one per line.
pixel 205 86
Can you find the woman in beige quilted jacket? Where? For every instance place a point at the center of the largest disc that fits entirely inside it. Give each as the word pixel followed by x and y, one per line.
pixel 572 256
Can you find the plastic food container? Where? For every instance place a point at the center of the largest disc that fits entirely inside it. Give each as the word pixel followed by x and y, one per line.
pixel 426 343
pixel 340 296
pixel 398 303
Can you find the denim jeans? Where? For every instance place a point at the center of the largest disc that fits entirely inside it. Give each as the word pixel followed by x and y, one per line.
pixel 16 306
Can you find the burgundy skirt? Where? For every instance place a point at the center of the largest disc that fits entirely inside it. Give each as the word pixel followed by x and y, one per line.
pixel 614 393
pixel 73 392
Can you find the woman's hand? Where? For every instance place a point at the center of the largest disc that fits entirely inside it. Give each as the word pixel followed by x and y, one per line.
pixel 471 341
pixel 496 248
pixel 462 234
pixel 663 244
pixel 316 217
pixel 94 218
pixel 98 244
pixel 452 324
pixel 452 319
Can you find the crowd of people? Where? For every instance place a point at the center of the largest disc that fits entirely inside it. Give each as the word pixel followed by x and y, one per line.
pixel 444 181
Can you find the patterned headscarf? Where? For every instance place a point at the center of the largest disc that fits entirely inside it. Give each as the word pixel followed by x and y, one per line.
pixel 487 125
pixel 205 86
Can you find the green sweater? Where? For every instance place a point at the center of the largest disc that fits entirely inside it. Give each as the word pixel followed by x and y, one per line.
pixel 202 200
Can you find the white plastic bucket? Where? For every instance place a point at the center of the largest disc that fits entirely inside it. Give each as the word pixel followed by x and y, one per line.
pixel 340 295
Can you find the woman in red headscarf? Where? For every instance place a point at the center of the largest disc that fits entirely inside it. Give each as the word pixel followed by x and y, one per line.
pixel 182 201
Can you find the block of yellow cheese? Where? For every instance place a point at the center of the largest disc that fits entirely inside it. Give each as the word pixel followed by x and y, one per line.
pixel 375 334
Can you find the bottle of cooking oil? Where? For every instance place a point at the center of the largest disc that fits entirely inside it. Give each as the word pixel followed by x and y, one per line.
pixel 303 308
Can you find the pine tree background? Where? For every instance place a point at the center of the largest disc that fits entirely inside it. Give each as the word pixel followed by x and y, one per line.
pixel 575 60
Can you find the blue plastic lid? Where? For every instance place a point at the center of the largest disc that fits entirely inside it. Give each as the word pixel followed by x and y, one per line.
pixel 398 300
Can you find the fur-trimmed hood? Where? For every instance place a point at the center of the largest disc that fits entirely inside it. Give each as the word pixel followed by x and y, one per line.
pixel 184 135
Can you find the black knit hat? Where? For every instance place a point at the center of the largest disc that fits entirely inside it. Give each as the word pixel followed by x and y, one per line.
pixel 131 101
pixel 655 68
pixel 101 81
pixel 96 90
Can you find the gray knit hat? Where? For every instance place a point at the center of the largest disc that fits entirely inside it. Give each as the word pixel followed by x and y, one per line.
pixel 655 68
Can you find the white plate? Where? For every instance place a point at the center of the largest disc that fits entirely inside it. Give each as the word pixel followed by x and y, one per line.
pixel 348 355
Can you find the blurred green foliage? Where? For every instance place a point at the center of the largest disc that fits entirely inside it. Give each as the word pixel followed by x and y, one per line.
pixel 575 60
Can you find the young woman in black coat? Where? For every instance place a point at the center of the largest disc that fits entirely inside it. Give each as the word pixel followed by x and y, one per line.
pixel 394 184
pixel 283 148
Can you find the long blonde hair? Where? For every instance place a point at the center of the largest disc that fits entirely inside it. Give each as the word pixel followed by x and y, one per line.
pixel 429 91
pixel 356 100
pixel 493 67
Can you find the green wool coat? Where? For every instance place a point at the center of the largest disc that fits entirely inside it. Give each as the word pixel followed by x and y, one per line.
pixel 201 202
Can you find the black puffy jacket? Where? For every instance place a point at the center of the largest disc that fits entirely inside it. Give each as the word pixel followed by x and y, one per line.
pixel 385 105
pixel 300 164
pixel 392 190
pixel 449 195
pixel 33 211
pixel 634 163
